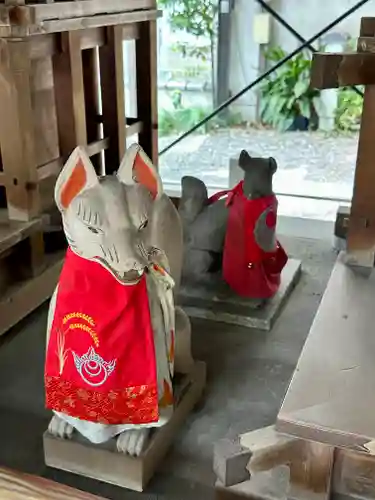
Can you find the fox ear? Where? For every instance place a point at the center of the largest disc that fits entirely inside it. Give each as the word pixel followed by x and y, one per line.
pixel 137 168
pixel 77 175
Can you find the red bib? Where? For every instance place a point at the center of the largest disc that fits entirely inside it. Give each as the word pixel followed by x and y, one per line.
pixel 247 268
pixel 100 360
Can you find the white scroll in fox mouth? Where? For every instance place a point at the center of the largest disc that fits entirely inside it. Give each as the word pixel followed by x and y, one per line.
pixel 131 276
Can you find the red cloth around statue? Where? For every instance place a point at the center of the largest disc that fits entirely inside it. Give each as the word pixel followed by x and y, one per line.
pixel 100 360
pixel 247 268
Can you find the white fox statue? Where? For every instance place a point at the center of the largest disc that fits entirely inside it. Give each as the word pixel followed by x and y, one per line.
pixel 114 336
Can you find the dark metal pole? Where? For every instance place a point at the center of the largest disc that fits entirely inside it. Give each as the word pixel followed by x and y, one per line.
pixel 239 94
pixel 291 30
pixel 223 58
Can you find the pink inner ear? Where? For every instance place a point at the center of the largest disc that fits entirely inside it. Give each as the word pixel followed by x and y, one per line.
pixel 74 184
pixel 144 175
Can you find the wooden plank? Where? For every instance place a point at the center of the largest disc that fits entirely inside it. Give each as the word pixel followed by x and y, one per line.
pixel 117 34
pixel 69 94
pixel 331 397
pixel 339 70
pixel 366 44
pixel 81 23
pixel 16 485
pixel 13 232
pixel 134 128
pixel 113 104
pixel 91 86
pixel 17 131
pixel 67 10
pixel 92 37
pixel 50 169
pixel 42 46
pixel 361 232
pixel 53 168
pixel 367 26
pixel 23 298
pixel 146 63
pixel 44 111
pixel 130 31
pixel 96 147
pixel 311 472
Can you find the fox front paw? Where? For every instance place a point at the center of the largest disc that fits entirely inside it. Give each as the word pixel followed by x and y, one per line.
pixel 59 428
pixel 133 442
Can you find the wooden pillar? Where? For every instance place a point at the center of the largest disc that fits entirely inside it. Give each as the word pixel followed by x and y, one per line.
pixel 69 93
pixel 17 131
pixel 146 57
pixel 113 97
pixel 339 70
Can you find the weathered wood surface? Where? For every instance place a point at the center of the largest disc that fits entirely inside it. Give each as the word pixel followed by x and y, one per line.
pixel 12 232
pixel 39 12
pixel 22 298
pixel 77 23
pixel 331 398
pixel 361 234
pixel 19 486
pixel 340 70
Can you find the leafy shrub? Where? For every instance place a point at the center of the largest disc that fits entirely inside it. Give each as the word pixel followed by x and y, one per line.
pixel 286 94
pixel 181 119
pixel 349 110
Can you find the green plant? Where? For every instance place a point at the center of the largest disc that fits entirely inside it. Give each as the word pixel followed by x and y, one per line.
pixel 286 93
pixel 196 17
pixel 349 110
pixel 181 119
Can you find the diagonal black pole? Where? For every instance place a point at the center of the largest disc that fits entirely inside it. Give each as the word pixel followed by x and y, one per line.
pixel 255 82
pixel 295 33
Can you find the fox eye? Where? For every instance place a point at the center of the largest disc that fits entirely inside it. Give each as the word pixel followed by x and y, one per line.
pixel 143 225
pixel 93 229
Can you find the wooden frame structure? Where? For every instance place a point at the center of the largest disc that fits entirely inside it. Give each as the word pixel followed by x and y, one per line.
pixel 325 430
pixel 62 85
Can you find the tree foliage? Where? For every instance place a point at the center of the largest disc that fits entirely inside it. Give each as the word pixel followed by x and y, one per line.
pixel 196 17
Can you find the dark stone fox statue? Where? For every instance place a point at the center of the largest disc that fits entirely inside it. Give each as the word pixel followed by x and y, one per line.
pixel 205 221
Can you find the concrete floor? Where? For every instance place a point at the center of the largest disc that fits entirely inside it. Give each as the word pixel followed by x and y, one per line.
pixel 248 374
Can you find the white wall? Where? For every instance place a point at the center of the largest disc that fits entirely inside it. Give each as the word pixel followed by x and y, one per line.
pixel 244 57
pixel 310 16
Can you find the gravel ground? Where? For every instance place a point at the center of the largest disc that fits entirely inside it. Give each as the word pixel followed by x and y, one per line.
pixel 321 164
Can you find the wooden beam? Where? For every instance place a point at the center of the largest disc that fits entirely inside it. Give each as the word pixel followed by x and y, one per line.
pixel 69 94
pixel 67 10
pixel 361 233
pixel 80 23
pixel 340 70
pixel 366 44
pixel 146 60
pixel 96 147
pixel 12 232
pixel 134 128
pixel 92 37
pixel 16 485
pixel 17 131
pixel 51 169
pixel 113 100
pixel 42 46
pixel 54 167
pixel 367 26
pixel 130 31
